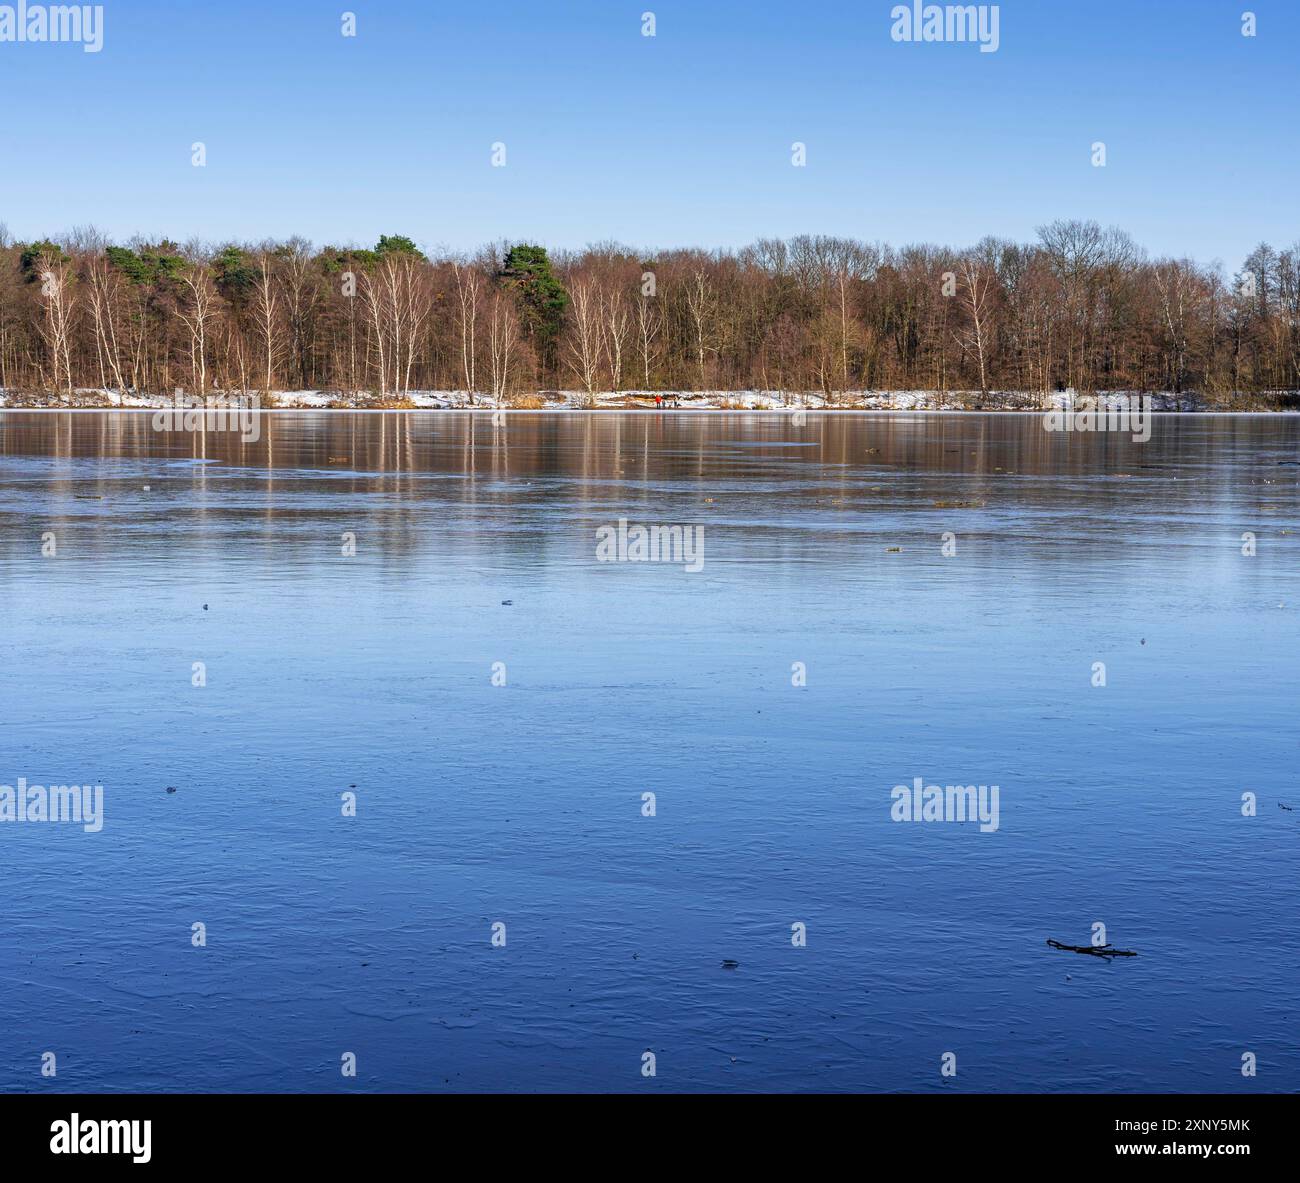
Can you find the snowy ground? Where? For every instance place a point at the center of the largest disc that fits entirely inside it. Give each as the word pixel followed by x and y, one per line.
pixel 708 400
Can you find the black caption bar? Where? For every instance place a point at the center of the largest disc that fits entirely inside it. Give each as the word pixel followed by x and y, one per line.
pixel 336 1133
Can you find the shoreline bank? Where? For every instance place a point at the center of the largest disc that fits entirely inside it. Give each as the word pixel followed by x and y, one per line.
pixel 688 411
pixel 724 402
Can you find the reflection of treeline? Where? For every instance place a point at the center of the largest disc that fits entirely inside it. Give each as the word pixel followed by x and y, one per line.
pixel 1081 307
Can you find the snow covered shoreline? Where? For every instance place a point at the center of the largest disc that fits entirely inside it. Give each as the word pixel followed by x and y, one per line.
pixel 910 401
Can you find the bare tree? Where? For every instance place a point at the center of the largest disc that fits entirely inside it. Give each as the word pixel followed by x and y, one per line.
pixel 397 301
pixel 302 293
pixel 585 336
pixel 469 289
pixel 104 296
pixel 976 281
pixel 1176 283
pixel 649 323
pixel 266 308
pixel 699 300
pixel 197 314
pixel 56 326
pixel 503 336
pixel 615 324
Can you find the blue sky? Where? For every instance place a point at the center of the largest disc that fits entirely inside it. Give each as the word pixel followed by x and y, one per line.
pixel 681 139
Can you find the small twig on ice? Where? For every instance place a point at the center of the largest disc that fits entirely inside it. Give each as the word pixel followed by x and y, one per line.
pixel 1107 951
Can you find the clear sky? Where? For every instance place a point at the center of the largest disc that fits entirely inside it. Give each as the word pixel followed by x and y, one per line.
pixel 682 139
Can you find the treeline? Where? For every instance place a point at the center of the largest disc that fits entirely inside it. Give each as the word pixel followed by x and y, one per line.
pixel 1081 307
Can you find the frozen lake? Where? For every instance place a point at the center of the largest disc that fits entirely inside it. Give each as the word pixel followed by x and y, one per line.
pixel 482 804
